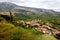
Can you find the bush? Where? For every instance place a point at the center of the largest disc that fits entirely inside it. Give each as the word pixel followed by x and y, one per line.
pixel 6 30
pixel 2 19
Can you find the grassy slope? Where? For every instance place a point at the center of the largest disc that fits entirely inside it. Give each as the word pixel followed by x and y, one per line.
pixel 9 32
pixel 27 34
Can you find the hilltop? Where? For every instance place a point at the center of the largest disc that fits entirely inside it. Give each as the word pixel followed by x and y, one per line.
pixel 6 6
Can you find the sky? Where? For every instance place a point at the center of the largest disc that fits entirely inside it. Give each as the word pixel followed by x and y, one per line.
pixel 47 4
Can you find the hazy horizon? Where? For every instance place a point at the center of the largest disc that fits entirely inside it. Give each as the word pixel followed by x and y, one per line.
pixel 46 4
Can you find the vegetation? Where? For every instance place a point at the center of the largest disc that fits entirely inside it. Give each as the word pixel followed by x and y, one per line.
pixel 54 19
pixel 9 31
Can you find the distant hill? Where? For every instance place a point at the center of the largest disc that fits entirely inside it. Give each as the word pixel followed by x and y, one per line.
pixel 6 6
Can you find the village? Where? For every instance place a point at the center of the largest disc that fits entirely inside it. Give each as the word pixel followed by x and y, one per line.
pixel 44 28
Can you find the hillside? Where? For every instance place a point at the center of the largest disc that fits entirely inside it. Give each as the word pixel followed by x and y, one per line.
pixel 11 32
pixel 28 23
pixel 24 13
pixel 6 6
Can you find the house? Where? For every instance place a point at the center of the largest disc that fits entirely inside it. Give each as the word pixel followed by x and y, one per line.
pixel 43 29
pixel 32 24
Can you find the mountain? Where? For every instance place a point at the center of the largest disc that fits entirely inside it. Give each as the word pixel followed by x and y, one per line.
pixel 6 6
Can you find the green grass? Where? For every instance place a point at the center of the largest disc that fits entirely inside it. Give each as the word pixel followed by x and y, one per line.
pixel 29 34
pixel 6 30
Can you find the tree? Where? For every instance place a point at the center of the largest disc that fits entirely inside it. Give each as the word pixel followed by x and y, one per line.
pixel 11 17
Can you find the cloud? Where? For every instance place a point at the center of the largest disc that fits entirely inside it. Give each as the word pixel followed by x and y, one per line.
pixel 48 4
pixel 3 0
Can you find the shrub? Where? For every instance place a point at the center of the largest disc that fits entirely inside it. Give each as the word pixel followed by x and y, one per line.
pixel 6 30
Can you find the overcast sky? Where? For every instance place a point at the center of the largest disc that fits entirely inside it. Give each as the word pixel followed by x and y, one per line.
pixel 47 4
